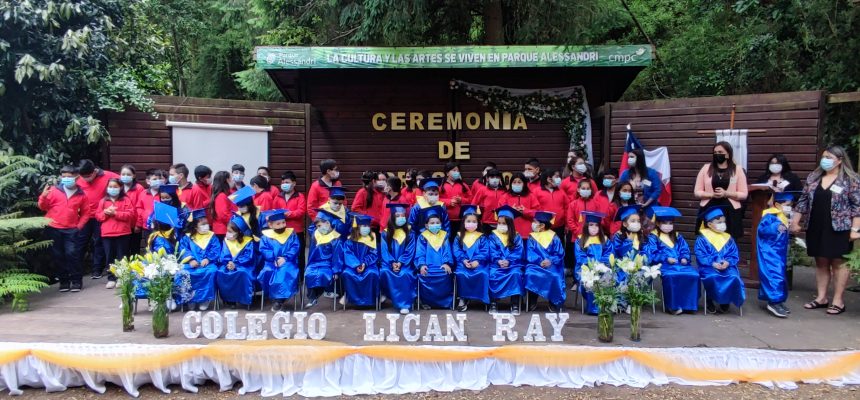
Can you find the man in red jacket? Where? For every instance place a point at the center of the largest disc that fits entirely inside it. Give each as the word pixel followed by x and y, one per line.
pixel 69 210
pixel 318 192
pixel 202 190
pixel 93 181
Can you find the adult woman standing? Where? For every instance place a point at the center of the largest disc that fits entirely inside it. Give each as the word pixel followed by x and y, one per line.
pixel 778 175
pixel 831 200
pixel 723 183
pixel 646 181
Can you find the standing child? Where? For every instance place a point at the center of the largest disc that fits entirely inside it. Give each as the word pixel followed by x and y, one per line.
pixel 370 199
pixel 115 213
pixel 429 198
pixel 544 275
pixel 235 277
pixel 279 247
pixel 133 191
pixel 434 260
pixel 472 259
pixel 325 247
pixel 295 208
pixel 488 196
pixel 202 250
pixel 454 192
pixel 772 253
pixel 717 257
pixel 592 244
pixel 360 276
pixel 219 207
pixel 68 210
pixel 680 279
pixel 146 199
pixel 521 198
pixel 506 260
pixel 397 273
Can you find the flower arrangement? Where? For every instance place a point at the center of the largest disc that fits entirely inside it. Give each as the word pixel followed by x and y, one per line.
pixel 164 280
pixel 601 280
pixel 127 271
pixel 637 288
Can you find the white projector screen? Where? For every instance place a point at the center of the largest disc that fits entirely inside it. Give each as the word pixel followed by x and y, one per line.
pixel 219 146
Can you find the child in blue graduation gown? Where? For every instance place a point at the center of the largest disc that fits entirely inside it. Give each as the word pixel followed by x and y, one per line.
pixel 429 198
pixel 680 278
pixel 544 275
pixel 630 237
pixel 592 245
pixel 245 208
pixel 360 275
pixel 717 258
pixel 472 258
pixel 342 221
pixel 434 260
pixel 235 277
pixel 324 256
pixel 167 194
pixel 162 240
pixel 772 253
pixel 202 250
pixel 279 248
pixel 506 260
pixel 397 272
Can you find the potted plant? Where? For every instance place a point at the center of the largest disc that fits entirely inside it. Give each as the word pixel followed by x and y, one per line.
pixel 637 289
pixel 160 271
pixel 126 272
pixel 601 279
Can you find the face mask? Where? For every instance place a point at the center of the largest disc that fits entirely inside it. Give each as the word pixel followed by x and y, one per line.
pixel 238 177
pixel 334 175
pixel 400 221
pixel 529 174
pixel 556 181
pixel 243 210
pixel 455 175
pixel 625 196
pixel 634 227
pixel 581 168
pixel 203 228
pixel 593 230
pixel 631 161
pixel 113 192
pixel 667 228
pixel 67 182
pixel 502 228
pixel 786 209
pixel 325 229
pixel 125 179
pixel 172 179
pixel 380 185
pixel 432 198
pixel 494 182
pixel 585 193
pixel 434 228
pixel 334 206
pixel 535 226
pixel 827 164
pixel 775 168
pixel 155 183
pixel 720 227
pixel 364 230
pixel 517 188
pixel 719 158
pixel 286 187
pixel 471 226
pixel 280 230
pixel 607 183
pixel 230 236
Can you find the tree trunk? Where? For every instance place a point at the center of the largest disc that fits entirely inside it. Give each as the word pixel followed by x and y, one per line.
pixel 493 27
pixel 177 55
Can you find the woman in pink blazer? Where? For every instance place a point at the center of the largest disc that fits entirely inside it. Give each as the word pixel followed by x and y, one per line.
pixel 723 183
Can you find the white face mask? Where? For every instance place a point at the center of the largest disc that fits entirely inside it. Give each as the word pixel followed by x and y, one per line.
pixel 786 209
pixel 631 161
pixel 380 185
pixel 432 198
pixel 324 229
pixel 471 226
pixel 334 174
pixel 230 236
pixel 243 210
pixel 720 226
pixel 494 182
pixel 556 181
pixel 334 206
pixel 535 226
pixel 203 228
pixel 775 168
pixel 667 228
pixel 581 168
pixel 593 230
pixel 634 227
pixel 585 193
pixel 529 174
pixel 502 228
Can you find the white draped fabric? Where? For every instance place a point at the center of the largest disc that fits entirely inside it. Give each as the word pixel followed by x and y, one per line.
pixel 738 139
pixel 359 374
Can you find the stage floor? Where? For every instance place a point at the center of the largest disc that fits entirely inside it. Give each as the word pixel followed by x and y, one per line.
pixel 93 316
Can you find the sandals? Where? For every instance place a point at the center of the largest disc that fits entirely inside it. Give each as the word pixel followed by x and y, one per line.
pixel 812 305
pixel 835 310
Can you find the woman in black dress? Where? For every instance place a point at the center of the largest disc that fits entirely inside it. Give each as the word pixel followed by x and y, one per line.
pixel 831 202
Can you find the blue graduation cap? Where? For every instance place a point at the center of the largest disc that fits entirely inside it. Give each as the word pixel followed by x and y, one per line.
pixel 197 214
pixel 593 217
pixel 430 183
pixel 361 219
pixel 276 215
pixel 242 225
pixel 507 211
pixel 395 208
pixel 169 189
pixel 782 197
pixel 469 209
pixel 326 215
pixel 429 212
pixel 166 214
pixel 712 213
pixel 665 213
pixel 336 192
pixel 243 196
pixel 545 217
pixel 626 211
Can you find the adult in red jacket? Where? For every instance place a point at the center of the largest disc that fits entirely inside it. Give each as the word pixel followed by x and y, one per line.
pixel 488 198
pixel 115 213
pixel 220 208
pixel 93 181
pixel 318 193
pixel 370 199
pixel 68 209
pixel 579 171
pixel 201 193
pixel 453 193
pixel 296 208
pixel 521 199
pixel 553 199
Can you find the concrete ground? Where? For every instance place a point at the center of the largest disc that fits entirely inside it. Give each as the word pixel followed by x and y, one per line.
pixel 93 316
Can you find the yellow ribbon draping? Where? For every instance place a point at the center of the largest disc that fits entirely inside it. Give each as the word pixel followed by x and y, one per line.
pixel 292 356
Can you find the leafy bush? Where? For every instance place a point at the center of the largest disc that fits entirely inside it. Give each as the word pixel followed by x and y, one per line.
pixel 16 281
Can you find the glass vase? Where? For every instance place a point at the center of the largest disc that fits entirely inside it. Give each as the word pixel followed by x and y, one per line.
pixel 635 329
pixel 127 313
pixel 160 322
pixel 605 326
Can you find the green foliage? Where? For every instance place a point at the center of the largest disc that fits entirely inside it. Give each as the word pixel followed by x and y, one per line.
pixel 852 262
pixel 19 284
pixel 17 240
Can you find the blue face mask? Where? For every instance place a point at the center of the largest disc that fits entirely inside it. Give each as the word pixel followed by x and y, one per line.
pixel 455 175
pixel 607 183
pixel 434 228
pixel 126 179
pixel 625 195
pixel 67 182
pixel 517 188
pixel 400 221
pixel 238 177
pixel 364 230
pixel 113 192
pixel 172 179
pixel 286 187
pixel 827 164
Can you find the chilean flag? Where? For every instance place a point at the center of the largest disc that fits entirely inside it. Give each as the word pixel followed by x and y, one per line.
pixel 657 159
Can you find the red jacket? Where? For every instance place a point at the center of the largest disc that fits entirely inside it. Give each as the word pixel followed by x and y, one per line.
pixel 65 213
pixel 143 208
pixel 224 209
pixel 575 220
pixel 376 210
pixel 488 200
pixel 297 207
pixel 118 224
pixel 185 194
pixel 570 186
pixel 409 196
pixel 96 189
pixel 275 191
pixel 451 190
pixel 134 195
pixel 556 202
pixel 530 204
pixel 318 195
pixel 476 186
pixel 264 201
pixel 386 215
pixel 535 185
pixel 199 197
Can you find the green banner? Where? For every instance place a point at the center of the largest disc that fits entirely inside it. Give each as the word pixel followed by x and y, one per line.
pixel 453 57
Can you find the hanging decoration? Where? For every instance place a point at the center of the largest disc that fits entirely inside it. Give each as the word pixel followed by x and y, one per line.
pixel 564 103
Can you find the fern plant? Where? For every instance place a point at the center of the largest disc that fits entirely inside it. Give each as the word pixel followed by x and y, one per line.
pixel 16 281
pixel 852 262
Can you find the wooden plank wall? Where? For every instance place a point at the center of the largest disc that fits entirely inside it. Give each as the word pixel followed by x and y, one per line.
pixel 144 141
pixel 793 122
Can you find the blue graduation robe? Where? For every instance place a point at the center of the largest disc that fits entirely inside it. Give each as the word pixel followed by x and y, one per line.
pixel 437 287
pixel 772 253
pixel 598 252
pixel 279 282
pixel 362 288
pixel 622 245
pixel 201 247
pixel 726 286
pixel 324 258
pixel 545 282
pixel 157 241
pixel 416 219
pixel 398 286
pixel 237 286
pixel 472 283
pixel 505 282
pixel 343 225
pixel 680 281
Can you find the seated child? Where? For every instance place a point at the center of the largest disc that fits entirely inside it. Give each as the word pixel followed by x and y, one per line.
pixel 544 274
pixel 472 259
pixel 434 260
pixel 202 250
pixel 680 278
pixel 397 273
pixel 591 245
pixel 717 258
pixel 279 248
pixel 324 255
pixel 235 276
pixel 360 275
pixel 506 260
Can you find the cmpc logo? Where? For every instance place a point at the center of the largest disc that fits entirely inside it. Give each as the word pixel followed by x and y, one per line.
pixel 627 58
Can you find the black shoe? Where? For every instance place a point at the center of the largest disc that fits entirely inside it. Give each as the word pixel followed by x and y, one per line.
pixel 64 286
pixel 76 286
pixel 462 305
pixel 555 309
pixel 426 307
pixel 784 307
pixel 231 305
pixel 515 309
pixel 277 306
pixel 96 275
pixel 711 308
pixel 533 306
pixel 776 310
pixel 724 308
pixel 494 308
